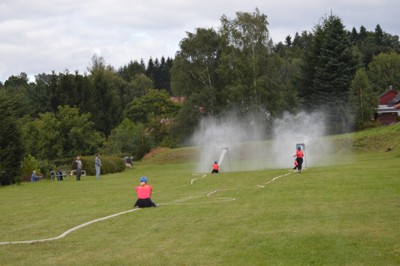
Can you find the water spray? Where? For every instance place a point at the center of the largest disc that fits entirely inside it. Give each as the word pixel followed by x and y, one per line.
pixel 224 151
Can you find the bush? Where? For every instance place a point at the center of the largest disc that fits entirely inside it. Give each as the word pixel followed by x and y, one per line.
pixel 28 165
pixel 109 164
pixel 45 167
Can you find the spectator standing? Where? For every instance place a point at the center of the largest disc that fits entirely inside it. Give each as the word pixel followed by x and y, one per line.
pixel 97 165
pixel 79 165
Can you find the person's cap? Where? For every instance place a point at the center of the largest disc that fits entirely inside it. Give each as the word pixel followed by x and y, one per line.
pixel 215 162
pixel 143 179
pixel 299 147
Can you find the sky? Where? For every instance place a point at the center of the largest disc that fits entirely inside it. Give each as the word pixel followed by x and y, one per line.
pixel 42 36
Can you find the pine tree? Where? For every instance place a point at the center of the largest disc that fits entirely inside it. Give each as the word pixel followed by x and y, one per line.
pixel 330 65
pixel 11 149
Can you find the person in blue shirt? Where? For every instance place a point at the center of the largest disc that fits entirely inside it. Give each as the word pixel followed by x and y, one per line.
pixel 34 177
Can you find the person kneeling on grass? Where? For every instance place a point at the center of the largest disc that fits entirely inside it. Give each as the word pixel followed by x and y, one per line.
pixel 144 193
pixel 35 177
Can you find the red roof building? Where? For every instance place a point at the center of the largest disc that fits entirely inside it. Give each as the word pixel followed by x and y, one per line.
pixel 388 111
pixel 387 96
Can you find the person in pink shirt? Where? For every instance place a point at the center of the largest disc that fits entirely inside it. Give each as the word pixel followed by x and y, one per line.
pixel 144 193
pixel 299 158
pixel 215 168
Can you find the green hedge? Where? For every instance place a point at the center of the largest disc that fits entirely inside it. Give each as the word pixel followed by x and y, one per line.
pixel 109 164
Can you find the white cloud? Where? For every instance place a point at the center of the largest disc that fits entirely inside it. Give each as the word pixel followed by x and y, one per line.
pixel 45 35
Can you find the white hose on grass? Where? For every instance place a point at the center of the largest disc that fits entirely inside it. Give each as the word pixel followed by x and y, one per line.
pixel 209 195
pixel 68 231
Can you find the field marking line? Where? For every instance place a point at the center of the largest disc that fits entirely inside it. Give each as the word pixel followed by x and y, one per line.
pixel 68 231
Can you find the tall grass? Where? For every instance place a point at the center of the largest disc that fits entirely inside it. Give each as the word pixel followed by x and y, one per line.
pixel 343 214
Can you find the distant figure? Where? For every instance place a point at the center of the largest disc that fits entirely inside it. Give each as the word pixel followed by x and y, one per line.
pixel 144 193
pixel 59 175
pixel 299 158
pixel 129 162
pixel 215 168
pixel 97 165
pixel 34 177
pixel 79 165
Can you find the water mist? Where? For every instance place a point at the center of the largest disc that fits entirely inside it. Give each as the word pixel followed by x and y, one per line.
pixel 236 143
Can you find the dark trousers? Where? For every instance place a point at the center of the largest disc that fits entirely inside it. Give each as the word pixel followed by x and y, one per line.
pixel 143 203
pixel 78 174
pixel 299 163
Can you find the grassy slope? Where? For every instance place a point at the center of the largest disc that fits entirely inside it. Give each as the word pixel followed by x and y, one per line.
pixel 341 214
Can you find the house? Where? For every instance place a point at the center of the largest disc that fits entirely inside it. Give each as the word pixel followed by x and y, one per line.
pixel 388 110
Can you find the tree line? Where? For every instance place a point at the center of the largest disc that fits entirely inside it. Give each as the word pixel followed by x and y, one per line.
pixel 237 67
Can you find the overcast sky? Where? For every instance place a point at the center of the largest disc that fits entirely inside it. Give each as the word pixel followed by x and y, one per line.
pixel 39 36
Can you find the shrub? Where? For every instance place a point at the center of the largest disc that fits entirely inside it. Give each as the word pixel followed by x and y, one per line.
pixel 109 164
pixel 29 163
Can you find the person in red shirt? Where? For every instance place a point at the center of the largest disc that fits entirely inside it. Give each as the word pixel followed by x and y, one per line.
pixel 144 193
pixel 215 168
pixel 299 158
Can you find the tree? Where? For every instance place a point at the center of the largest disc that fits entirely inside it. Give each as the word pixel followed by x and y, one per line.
pixel 61 135
pixel 329 68
pixel 288 40
pixel 383 71
pixel 121 140
pixel 307 69
pixel 128 139
pixel 130 71
pixel 378 35
pixel 11 148
pixel 164 79
pixel 194 72
pixel 336 64
pixel 108 112
pixel 77 133
pixel 362 100
pixel 153 104
pixel 141 85
pixel 372 43
pixel 244 59
pixel 39 95
pixel 18 87
pixel 185 122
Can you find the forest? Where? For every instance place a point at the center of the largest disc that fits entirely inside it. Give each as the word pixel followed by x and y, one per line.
pixel 130 110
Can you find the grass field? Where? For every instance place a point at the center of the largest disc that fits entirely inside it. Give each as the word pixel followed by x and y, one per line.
pixel 343 214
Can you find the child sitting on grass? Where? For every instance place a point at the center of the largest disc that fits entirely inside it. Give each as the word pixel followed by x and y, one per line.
pixel 144 193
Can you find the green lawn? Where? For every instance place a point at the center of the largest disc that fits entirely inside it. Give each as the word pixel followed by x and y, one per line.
pixel 344 214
